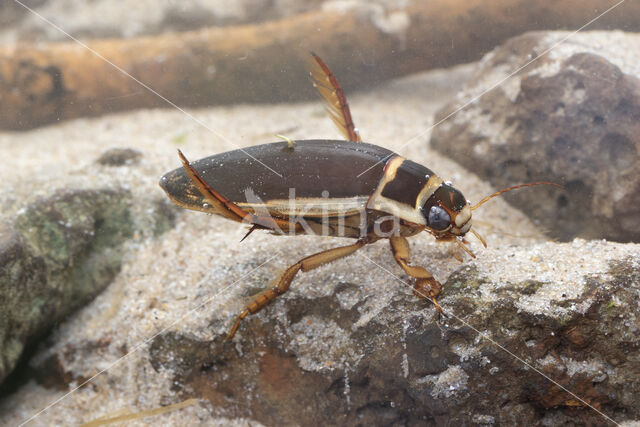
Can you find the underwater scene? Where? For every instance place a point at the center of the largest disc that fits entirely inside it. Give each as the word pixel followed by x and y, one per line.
pixel 326 212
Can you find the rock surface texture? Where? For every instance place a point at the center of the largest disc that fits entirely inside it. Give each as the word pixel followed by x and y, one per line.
pixel 328 360
pixel 571 116
pixel 61 252
pixel 58 253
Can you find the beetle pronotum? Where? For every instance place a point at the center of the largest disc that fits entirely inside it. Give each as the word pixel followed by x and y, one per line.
pixel 322 191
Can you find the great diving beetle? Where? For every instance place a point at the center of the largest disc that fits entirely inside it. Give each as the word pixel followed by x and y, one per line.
pixel 321 189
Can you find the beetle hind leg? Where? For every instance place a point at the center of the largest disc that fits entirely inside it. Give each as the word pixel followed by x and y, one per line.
pixel 425 286
pixel 262 299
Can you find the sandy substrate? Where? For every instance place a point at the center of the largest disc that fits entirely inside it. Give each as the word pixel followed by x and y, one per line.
pixel 193 277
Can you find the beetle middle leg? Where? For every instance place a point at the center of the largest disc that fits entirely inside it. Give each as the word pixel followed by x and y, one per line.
pixel 262 299
pixel 424 286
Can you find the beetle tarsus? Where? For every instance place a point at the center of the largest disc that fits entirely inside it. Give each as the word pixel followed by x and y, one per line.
pixel 236 324
pixel 428 288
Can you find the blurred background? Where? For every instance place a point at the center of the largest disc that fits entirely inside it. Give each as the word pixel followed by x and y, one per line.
pixel 200 53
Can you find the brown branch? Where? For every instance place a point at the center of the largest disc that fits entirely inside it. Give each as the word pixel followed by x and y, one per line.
pixel 43 83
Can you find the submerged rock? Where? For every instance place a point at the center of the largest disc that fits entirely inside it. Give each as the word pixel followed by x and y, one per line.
pixel 316 363
pixel 570 117
pixel 59 254
pixel 119 157
pixel 511 351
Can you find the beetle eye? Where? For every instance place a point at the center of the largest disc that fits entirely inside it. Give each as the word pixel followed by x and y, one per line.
pixel 438 218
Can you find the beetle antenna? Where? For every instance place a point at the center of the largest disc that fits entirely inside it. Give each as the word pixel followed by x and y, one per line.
pixel 481 202
pixel 478 236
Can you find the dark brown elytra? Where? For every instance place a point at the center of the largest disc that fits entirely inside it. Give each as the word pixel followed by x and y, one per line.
pixel 341 188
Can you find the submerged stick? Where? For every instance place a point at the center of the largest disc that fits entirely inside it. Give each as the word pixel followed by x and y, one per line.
pixel 45 83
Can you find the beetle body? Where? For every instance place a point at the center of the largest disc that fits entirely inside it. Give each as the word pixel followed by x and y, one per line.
pixel 327 187
pixel 321 187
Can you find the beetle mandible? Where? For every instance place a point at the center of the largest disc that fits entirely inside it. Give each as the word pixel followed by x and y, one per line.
pixel 396 198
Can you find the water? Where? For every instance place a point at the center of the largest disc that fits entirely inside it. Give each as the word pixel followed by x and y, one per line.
pixel 96 263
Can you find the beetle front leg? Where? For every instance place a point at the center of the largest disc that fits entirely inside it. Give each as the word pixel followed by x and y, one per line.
pixel 262 299
pixel 424 286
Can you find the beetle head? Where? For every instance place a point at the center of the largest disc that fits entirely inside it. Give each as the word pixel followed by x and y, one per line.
pixel 447 212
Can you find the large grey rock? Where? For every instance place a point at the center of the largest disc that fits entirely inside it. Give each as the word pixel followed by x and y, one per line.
pixel 570 117
pixel 339 360
pixel 58 255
